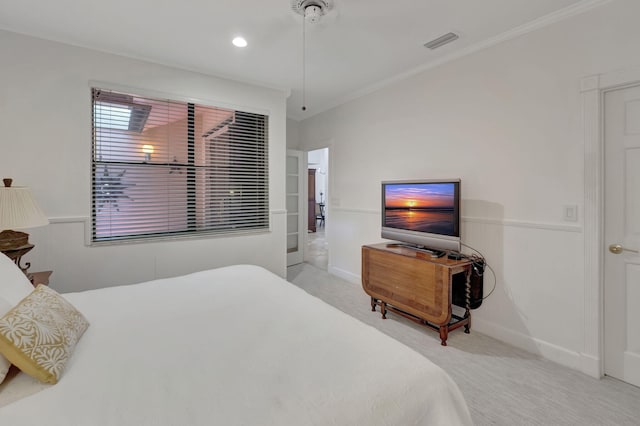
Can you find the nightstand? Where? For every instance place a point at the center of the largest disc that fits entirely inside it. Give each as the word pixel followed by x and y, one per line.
pixel 41 277
pixel 16 254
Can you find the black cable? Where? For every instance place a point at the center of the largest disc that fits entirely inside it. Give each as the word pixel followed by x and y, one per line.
pixel 486 265
pixel 469 247
pixel 495 280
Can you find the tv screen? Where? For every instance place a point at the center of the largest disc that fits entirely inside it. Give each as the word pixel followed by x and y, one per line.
pixel 425 212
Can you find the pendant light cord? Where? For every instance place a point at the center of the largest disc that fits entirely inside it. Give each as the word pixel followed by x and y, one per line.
pixel 304 64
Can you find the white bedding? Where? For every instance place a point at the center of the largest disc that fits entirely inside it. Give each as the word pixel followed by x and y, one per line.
pixel 235 346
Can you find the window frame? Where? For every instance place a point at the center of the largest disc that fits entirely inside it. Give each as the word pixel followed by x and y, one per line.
pixel 184 234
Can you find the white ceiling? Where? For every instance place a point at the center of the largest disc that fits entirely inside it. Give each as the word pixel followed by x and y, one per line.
pixel 358 46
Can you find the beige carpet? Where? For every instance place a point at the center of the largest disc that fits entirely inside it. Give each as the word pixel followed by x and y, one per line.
pixel 503 385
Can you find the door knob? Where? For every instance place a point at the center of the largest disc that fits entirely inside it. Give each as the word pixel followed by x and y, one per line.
pixel 617 249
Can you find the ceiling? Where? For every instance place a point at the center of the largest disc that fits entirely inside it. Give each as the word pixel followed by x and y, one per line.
pixel 358 46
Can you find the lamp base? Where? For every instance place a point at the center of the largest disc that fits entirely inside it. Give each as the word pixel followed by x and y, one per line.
pixel 13 239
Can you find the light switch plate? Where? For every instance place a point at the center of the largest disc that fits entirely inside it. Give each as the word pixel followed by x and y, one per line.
pixel 570 213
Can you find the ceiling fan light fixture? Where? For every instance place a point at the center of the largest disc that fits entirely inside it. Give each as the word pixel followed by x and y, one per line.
pixel 312 10
pixel 312 13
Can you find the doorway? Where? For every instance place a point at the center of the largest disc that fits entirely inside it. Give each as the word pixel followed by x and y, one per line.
pixel 622 233
pixel 317 247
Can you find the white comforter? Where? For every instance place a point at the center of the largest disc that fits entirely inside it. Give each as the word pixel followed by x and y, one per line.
pixel 235 346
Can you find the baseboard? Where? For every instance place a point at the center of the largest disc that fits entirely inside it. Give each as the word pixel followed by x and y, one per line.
pixel 546 350
pixel 585 363
pixel 345 275
pixel 591 366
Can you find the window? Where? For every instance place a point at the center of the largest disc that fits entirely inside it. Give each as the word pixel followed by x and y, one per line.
pixel 164 168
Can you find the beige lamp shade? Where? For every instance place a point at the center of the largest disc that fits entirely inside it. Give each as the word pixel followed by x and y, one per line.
pixel 19 210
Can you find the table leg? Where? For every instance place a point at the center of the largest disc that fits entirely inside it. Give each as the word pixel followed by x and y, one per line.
pixel 444 333
pixel 467 301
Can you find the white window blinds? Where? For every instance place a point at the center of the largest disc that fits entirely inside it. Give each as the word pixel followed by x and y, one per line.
pixel 163 167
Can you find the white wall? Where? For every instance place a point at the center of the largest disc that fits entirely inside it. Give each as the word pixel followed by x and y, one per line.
pixel 507 121
pixel 293 134
pixel 45 141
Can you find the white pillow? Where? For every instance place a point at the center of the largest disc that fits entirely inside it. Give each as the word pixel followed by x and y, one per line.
pixel 4 363
pixel 14 284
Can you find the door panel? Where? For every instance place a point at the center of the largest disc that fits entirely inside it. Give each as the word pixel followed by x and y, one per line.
pixel 295 216
pixel 311 200
pixel 622 227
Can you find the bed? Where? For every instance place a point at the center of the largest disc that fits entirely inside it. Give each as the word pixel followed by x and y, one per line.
pixel 232 346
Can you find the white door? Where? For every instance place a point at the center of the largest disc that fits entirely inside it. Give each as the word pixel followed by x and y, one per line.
pixel 622 234
pixel 295 206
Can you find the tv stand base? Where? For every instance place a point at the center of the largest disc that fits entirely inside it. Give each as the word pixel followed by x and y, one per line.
pixel 416 285
pixel 455 322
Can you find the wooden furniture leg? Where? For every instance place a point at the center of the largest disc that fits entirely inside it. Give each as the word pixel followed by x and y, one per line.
pixel 444 333
pixel 467 301
pixel 373 304
pixel 383 309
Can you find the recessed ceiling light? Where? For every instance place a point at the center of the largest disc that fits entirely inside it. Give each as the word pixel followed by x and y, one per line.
pixel 239 42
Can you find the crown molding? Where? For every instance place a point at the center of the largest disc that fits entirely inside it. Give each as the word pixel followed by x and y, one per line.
pixel 544 21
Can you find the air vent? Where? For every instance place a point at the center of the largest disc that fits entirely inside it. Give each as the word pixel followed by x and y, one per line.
pixel 441 41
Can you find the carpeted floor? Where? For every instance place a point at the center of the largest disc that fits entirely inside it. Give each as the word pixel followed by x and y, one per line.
pixel 503 385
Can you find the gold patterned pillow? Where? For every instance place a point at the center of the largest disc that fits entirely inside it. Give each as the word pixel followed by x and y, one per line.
pixel 39 334
pixel 4 363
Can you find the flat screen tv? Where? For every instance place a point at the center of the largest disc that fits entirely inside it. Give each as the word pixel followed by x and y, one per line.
pixel 422 213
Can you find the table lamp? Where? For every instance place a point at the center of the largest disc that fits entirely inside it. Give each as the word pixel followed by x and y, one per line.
pixel 18 209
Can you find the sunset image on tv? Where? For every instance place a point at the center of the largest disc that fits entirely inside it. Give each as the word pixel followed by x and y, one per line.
pixel 424 207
